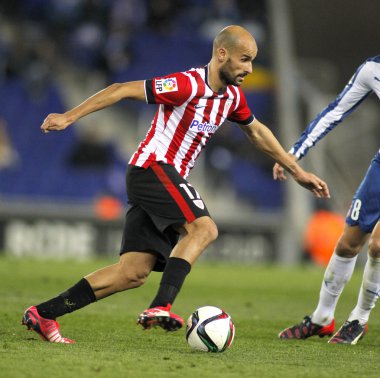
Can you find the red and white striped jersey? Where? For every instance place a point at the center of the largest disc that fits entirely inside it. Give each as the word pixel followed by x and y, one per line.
pixel 189 113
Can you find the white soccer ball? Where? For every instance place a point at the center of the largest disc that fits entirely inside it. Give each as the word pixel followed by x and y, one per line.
pixel 210 329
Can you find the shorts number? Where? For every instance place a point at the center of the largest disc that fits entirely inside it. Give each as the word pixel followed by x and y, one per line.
pixel 355 211
pixel 188 191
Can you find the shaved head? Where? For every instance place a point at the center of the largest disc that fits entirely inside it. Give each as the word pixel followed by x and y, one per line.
pixel 234 50
pixel 232 37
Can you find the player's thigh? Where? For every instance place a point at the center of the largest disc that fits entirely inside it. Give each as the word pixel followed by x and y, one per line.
pixel 165 195
pixel 141 235
pixel 365 207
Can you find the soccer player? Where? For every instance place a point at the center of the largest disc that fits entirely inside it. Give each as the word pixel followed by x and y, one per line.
pixel 362 222
pixel 192 105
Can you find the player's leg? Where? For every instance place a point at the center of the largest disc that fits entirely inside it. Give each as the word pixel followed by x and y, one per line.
pixel 196 237
pixel 337 274
pixel 361 219
pixel 370 288
pixel 130 272
pixel 174 205
pixel 365 212
pixel 356 325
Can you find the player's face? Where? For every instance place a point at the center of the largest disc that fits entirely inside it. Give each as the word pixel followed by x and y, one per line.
pixel 237 66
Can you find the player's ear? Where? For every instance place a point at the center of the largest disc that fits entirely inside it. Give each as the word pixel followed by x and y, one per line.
pixel 222 54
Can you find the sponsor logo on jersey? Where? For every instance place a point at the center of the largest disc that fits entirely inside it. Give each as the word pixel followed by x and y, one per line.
pixel 166 85
pixel 204 127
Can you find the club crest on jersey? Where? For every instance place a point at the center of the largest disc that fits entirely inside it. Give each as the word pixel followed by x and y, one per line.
pixel 199 203
pixel 168 84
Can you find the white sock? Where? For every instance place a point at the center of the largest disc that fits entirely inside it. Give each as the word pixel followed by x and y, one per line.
pixel 337 274
pixel 369 291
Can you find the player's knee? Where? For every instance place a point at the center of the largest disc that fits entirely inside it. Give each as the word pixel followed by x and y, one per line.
pixel 130 279
pixel 205 229
pixel 137 278
pixel 210 231
pixel 374 247
pixel 213 232
pixel 347 249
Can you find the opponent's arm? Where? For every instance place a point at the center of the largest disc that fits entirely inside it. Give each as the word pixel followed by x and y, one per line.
pixel 131 90
pixel 357 89
pixel 265 141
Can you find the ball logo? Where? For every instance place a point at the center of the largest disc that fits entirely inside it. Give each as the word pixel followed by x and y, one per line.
pixel 170 84
pixel 166 85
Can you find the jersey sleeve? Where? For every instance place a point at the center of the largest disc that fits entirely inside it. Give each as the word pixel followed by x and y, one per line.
pixel 173 89
pixel 242 113
pixel 357 89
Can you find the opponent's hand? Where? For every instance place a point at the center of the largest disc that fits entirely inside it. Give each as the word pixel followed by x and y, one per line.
pixel 55 122
pixel 313 183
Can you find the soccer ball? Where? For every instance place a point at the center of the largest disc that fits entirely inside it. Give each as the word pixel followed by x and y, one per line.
pixel 210 329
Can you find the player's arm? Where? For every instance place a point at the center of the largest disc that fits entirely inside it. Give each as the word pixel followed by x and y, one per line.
pixel 134 90
pixel 279 171
pixel 265 141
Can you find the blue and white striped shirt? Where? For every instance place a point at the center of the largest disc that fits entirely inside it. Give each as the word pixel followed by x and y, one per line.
pixel 365 81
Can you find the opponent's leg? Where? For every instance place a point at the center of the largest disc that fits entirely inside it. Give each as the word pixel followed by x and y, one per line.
pixel 197 236
pixel 130 272
pixel 356 326
pixel 337 274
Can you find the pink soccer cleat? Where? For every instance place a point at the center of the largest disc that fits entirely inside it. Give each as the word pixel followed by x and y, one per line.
pixel 47 329
pixel 161 317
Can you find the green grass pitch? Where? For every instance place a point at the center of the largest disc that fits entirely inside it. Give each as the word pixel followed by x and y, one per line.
pixel 261 299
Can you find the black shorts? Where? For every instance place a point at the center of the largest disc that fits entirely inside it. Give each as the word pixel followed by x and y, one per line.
pixel 160 200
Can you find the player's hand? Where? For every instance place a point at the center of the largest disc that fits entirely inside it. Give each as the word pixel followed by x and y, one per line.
pixel 279 172
pixel 313 183
pixel 55 122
